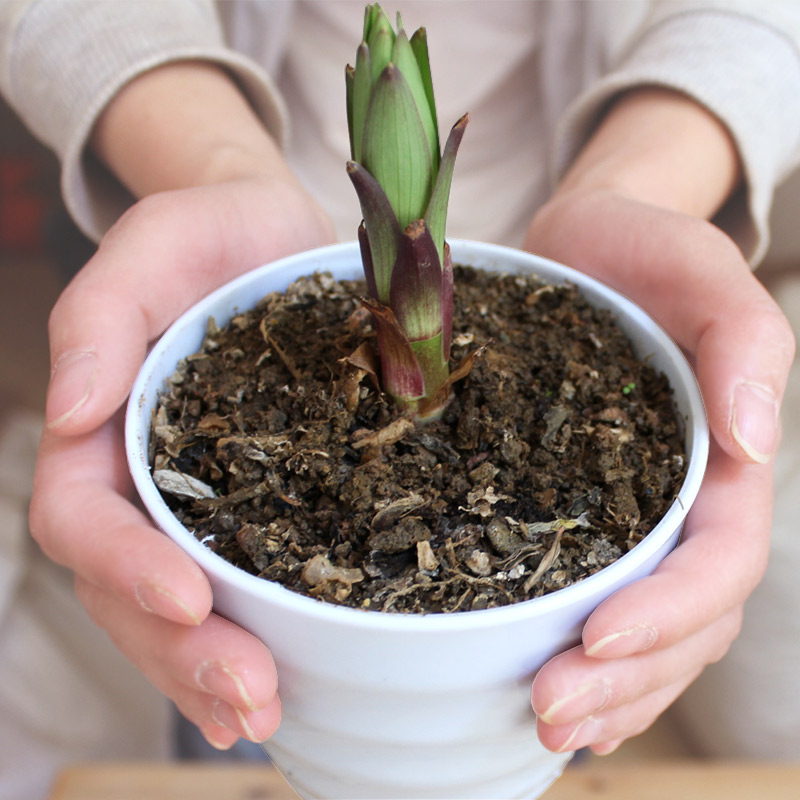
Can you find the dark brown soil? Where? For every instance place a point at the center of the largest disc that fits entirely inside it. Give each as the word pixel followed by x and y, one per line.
pixel 557 454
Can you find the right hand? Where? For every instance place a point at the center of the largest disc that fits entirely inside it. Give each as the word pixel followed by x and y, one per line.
pixel 165 253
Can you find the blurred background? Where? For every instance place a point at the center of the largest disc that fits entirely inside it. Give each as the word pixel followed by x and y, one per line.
pixel 39 249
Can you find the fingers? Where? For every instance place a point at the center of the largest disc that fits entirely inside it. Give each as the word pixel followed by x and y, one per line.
pixel 220 677
pixel 80 518
pixel 575 686
pixel 168 251
pixel 614 726
pixel 151 598
pixel 742 369
pixel 648 641
pixel 141 277
pixel 222 724
pixel 718 564
pixel 695 282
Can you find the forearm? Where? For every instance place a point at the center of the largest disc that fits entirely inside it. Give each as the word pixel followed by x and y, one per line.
pixel 660 147
pixel 184 124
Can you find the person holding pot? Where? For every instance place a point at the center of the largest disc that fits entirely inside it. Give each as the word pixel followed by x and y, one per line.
pixel 640 142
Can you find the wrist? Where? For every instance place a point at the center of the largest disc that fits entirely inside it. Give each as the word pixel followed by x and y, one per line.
pixel 659 147
pixel 184 124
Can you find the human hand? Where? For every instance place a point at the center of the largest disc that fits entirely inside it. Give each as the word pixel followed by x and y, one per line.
pixel 168 251
pixel 643 646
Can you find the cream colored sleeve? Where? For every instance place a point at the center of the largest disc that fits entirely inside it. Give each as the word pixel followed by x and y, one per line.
pixel 739 59
pixel 61 62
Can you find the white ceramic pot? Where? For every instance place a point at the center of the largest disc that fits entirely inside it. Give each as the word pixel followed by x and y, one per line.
pixel 398 706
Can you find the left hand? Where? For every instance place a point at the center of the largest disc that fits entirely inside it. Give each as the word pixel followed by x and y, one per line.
pixel 644 645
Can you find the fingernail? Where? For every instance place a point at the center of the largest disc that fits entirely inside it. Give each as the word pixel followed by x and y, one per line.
pixel 216 679
pixel 754 423
pixel 233 719
pixel 582 734
pixel 585 700
pixel 159 600
pixel 625 643
pixel 71 383
pixel 214 743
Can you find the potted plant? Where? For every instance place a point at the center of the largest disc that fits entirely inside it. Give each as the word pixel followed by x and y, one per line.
pixel 382 705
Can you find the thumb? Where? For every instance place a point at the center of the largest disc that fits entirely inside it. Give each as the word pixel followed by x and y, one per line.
pixel 98 339
pixel 164 254
pixel 693 280
pixel 743 359
pixel 124 296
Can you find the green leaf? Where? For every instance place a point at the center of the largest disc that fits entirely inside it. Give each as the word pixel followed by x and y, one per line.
pixel 374 17
pixel 405 60
pixel 361 92
pixel 395 148
pixel 349 78
pixel 403 180
pixel 436 213
pixel 419 46
pixel 434 368
pixel 416 290
pixel 370 12
pixel 383 230
pixel 380 40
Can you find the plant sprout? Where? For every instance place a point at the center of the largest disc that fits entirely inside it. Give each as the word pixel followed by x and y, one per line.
pixel 403 185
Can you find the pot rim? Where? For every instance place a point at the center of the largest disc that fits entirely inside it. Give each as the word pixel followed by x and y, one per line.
pixel 476 254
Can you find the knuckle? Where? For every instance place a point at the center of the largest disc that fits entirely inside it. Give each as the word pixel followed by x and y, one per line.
pixel 731 628
pixel 719 652
pixel 722 242
pixel 60 310
pixel 36 521
pixel 149 210
pixel 784 338
pixel 159 217
pixel 771 320
pixel 40 528
pixel 87 596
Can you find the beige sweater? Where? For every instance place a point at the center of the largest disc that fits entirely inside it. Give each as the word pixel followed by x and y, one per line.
pixel 533 75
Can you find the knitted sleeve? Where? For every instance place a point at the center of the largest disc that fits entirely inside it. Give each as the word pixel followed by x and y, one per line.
pixel 62 62
pixel 740 60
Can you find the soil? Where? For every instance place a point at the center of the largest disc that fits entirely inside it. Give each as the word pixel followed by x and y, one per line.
pixel 558 452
